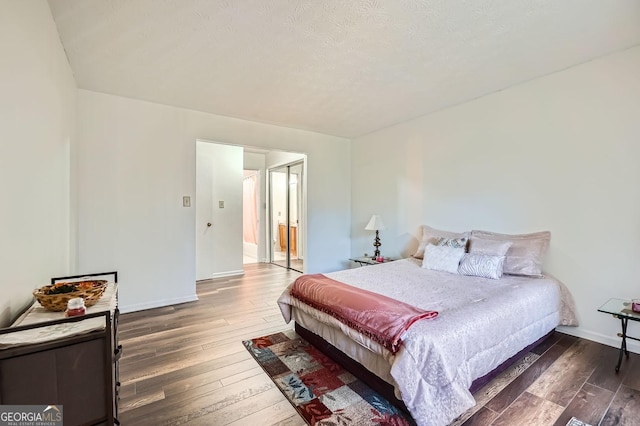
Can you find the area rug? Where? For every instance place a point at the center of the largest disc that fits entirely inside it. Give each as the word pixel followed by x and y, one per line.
pixel 319 389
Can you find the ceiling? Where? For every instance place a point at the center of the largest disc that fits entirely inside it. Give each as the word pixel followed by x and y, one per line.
pixel 343 68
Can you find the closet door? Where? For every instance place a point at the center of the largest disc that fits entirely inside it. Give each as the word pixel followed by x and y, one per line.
pixel 286 213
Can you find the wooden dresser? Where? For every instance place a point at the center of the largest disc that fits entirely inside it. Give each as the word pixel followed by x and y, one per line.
pixel 47 359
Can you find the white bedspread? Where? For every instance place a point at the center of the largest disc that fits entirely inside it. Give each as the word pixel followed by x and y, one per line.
pixel 481 323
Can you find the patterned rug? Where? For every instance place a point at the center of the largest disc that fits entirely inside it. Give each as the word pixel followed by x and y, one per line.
pixel 318 388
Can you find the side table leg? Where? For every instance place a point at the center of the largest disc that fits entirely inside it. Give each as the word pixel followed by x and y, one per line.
pixel 625 321
pixel 623 346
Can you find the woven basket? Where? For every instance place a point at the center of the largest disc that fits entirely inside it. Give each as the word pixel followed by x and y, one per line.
pixel 90 291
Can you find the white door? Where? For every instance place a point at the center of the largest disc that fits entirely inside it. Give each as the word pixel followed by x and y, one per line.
pixel 204 213
pixel 218 210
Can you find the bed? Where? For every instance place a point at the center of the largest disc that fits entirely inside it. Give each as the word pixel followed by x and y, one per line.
pixel 481 323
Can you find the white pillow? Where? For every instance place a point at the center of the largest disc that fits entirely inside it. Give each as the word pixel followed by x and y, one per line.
pixel 432 235
pixel 489 247
pixel 453 242
pixel 526 253
pixel 481 265
pixel 442 258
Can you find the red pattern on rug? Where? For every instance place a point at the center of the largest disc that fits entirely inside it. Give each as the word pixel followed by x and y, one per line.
pixel 318 388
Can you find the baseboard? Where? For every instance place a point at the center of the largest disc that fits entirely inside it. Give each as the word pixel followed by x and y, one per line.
pixel 157 304
pixel 227 274
pixel 608 340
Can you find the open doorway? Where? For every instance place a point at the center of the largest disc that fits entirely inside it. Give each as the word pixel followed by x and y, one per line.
pixel 223 243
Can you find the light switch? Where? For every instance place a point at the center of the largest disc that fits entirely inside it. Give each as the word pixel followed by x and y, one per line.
pixel 186 201
pixel 221 204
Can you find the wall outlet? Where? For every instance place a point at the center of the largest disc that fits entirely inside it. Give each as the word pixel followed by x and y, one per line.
pixel 186 201
pixel 221 204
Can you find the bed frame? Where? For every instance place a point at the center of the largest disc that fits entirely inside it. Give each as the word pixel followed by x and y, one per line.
pixel 384 388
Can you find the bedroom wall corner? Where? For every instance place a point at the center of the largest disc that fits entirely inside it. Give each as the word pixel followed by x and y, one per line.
pixel 557 153
pixel 37 131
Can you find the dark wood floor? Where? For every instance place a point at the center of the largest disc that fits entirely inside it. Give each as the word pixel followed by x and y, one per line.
pixel 186 364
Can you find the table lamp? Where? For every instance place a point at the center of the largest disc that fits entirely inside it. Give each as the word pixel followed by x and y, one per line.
pixel 375 224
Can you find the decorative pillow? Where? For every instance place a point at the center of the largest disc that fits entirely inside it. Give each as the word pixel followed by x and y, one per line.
pixel 489 247
pixel 431 235
pixel 453 242
pixel 526 253
pixel 481 265
pixel 442 258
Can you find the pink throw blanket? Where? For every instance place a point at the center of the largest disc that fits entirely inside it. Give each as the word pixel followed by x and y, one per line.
pixel 379 317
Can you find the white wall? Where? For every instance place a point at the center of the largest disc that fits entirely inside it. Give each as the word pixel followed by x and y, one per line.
pixel 218 178
pixel 279 158
pixel 37 118
pixel 559 153
pixel 135 162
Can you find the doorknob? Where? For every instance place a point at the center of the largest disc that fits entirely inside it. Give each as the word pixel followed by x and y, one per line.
pixel 208 224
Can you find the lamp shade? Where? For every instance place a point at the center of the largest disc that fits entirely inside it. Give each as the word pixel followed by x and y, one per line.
pixel 375 224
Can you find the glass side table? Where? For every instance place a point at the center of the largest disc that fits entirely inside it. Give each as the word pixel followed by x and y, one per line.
pixel 621 309
pixel 363 261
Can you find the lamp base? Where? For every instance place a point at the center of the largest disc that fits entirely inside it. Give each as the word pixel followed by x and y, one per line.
pixel 376 245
